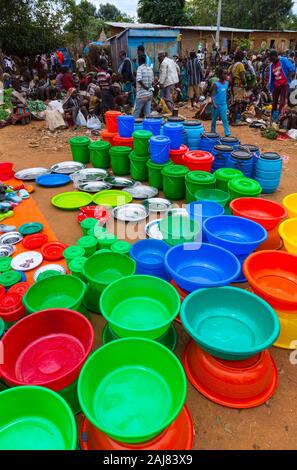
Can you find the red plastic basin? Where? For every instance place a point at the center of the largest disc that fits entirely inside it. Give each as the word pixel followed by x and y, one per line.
pixel 47 348
pixel 272 275
pixel 108 136
pixel 198 160
pixel 177 155
pixel 123 141
pixel 19 288
pixel 263 211
pixel 11 307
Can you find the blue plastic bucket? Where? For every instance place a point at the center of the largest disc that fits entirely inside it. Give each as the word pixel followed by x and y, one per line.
pixel 125 125
pixel 159 149
pixel 194 131
pixel 269 186
pixel 221 154
pixel 175 133
pixel 152 125
pixel 241 160
pixel 269 161
pixel 138 125
pixel 203 210
pixel 208 141
pixel 149 256
pixel 255 151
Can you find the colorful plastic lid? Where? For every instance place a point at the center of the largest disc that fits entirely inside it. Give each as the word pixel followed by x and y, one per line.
pixel 175 170
pixel 47 274
pixel 73 252
pixel 26 261
pixel 88 223
pixel 19 288
pixel 250 147
pixel 160 139
pixel 175 119
pixel 87 242
pixel 5 264
pixel 53 251
pixel 246 186
pixel 72 200
pixel 270 156
pixel 201 177
pixel 227 174
pixel 112 198
pixel 211 135
pixel 223 148
pixel 192 123
pixel 10 278
pixel 229 140
pixel 107 238
pixel 79 140
pixel 35 241
pixel 142 135
pixel 158 166
pixel 77 264
pixel 175 126
pixel 120 149
pixel 30 228
pixel 53 180
pixel 121 247
pixel 99 145
pixel 241 155
pixel 193 156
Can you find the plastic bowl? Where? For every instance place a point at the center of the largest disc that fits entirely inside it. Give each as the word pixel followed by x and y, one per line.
pixel 215 195
pixel 235 384
pixel 149 256
pixel 140 306
pixel 34 418
pixel 195 265
pixel 263 211
pixel 178 229
pixel 288 232
pixel 290 203
pixel 55 292
pixel 105 267
pixel 202 210
pixel 272 275
pixel 241 327
pixel 179 435
pixel 132 389
pixel 47 348
pixel 288 330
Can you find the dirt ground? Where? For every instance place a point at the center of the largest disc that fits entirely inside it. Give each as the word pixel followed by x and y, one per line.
pixel 271 426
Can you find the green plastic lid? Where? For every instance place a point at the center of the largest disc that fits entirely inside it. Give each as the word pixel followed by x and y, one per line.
pixel 158 166
pixel 5 264
pixel 47 274
pixel 142 135
pixel 175 170
pixel 73 252
pixel 201 177
pixel 10 278
pixel 246 186
pixel 107 239
pixel 133 156
pixel 121 247
pixel 87 242
pixel 88 223
pixel 2 328
pixel 98 230
pixel 227 174
pixel 77 264
pixel 79 140
pixel 99 145
pixel 120 149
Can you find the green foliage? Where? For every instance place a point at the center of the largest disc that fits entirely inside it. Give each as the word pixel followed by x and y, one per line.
pixel 243 44
pixel 169 12
pixel 202 13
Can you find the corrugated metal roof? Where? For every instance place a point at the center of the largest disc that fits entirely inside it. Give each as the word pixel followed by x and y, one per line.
pixel 137 25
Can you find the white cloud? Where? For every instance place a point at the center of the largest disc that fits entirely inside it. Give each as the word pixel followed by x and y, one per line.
pixel 126 6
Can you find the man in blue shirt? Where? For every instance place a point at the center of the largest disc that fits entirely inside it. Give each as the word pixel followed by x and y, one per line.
pixel 219 102
pixel 282 71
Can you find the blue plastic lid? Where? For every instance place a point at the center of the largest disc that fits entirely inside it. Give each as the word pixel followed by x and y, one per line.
pixel 192 123
pixel 173 126
pixel 160 139
pixel 53 180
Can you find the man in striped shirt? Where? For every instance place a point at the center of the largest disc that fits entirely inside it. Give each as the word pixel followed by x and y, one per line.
pixel 195 75
pixel 144 90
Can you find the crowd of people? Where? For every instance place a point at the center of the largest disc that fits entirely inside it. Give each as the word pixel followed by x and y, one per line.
pixel 224 83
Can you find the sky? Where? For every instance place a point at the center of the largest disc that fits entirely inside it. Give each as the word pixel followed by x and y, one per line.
pixel 126 6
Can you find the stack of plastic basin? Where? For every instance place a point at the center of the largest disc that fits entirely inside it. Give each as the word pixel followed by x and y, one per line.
pixel 141 142
pixel 138 167
pixel 177 229
pixel 159 149
pixel 268 171
pixel 194 131
pixel 177 155
pixel 231 141
pixel 208 140
pixel 108 136
pixel 149 256
pixel 221 155
pixel 155 177
pixel 138 124
pixel 152 125
pixel 214 195
pixel 241 160
pixel 80 149
pixel 11 308
pixel 120 162
pixel 125 125
pixel 272 275
pixel 174 185
pixel 197 160
pixel 99 153
pixel 175 133
pixel 196 180
pixel 123 141
pixel 156 386
pixel 227 359
pixel 100 270
pixel 203 210
pixel 288 232
pixel 267 213
pixel 238 235
pixel 224 175
pixel 244 187
pixel 111 121
pixel 290 203
pixel 48 349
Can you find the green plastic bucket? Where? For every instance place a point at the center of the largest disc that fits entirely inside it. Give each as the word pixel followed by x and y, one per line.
pixel 73 252
pixel 196 180
pixel 88 224
pixel 47 274
pixel 130 381
pixel 92 299
pixel 99 153
pixel 80 149
pixel 36 418
pixel 224 175
pixel 138 167
pixel 174 185
pixel 76 267
pixel 106 240
pixel 215 195
pixel 155 177
pixel 105 267
pixel 244 187
pixel 178 229
pixel 121 247
pixel 141 142
pixel 89 244
pixel 140 306
pixel 120 162
pixel 55 292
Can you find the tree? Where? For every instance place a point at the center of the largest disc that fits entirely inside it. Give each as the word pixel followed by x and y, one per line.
pixel 169 12
pixel 202 13
pixel 108 12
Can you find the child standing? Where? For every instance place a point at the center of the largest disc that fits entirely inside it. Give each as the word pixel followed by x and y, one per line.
pixel 219 102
